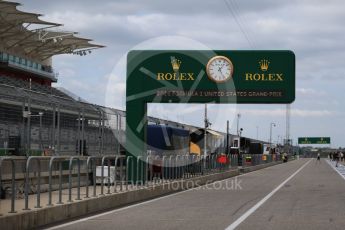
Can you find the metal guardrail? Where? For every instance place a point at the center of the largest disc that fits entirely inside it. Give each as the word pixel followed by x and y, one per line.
pixel 150 171
pixel 27 177
pixel 60 178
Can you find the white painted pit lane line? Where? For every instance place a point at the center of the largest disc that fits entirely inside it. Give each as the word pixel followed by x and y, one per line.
pixel 340 169
pixel 141 203
pixel 263 200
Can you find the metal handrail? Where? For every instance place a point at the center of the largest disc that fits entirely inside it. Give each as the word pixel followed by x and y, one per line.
pixel 109 157
pixel 127 172
pixel 60 178
pixel 70 178
pixel 173 168
pixel 27 172
pixel 89 159
pixel 138 170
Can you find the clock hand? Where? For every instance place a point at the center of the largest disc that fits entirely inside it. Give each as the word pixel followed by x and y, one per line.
pixel 220 68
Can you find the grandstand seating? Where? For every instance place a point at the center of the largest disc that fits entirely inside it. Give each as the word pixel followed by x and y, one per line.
pixel 34 86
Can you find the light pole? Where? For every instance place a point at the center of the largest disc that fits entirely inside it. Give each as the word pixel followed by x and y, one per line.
pixel 240 132
pixel 257 132
pixel 227 137
pixel 239 147
pixel 238 122
pixel 207 124
pixel 40 114
pixel 278 140
pixel 274 125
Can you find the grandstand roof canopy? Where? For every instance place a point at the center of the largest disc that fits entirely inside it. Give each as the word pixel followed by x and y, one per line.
pixel 40 43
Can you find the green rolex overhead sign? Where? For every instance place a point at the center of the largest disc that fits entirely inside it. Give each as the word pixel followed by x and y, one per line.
pixel 314 140
pixel 221 76
pixel 202 76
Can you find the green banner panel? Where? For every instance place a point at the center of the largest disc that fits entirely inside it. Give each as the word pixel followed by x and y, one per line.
pixel 314 140
pixel 211 76
pixel 202 76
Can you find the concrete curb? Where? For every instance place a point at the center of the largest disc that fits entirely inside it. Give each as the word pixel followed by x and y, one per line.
pixel 48 215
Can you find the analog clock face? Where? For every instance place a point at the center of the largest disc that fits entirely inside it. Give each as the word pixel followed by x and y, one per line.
pixel 219 69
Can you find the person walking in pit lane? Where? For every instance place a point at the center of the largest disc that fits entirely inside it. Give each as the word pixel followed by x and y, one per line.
pixel 337 156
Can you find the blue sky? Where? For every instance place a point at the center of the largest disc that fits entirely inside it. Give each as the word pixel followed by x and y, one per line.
pixel 313 29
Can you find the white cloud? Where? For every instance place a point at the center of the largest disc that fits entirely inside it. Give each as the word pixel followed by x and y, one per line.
pixel 310 92
pixel 312 113
pixel 312 29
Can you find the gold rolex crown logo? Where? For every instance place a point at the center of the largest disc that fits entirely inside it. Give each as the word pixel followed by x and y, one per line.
pixel 264 64
pixel 176 64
